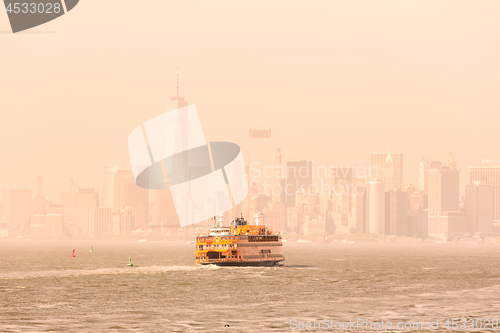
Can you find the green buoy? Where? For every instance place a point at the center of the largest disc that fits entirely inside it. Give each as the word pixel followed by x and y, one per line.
pixel 130 262
pixel 92 249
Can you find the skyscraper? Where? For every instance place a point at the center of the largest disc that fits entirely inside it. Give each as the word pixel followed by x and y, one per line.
pixel 443 202
pixel 443 190
pixel 389 169
pixel 85 199
pixel 298 176
pixel 68 200
pixel 375 213
pixel 108 195
pixel 277 191
pixel 489 173
pixel 100 221
pixel 133 196
pixel 163 212
pixel 177 101
pixel 396 213
pixel 422 174
pixel 121 173
pixel 17 210
pixel 479 207
pixel 450 162
pixel 417 222
pixel 260 159
pixel 40 201
pixel 358 209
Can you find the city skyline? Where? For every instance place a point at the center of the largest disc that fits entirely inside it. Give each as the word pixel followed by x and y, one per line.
pixel 54 192
pixel 121 207
pixel 388 205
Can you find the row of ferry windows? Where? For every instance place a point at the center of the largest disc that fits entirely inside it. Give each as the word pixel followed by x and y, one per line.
pixel 205 239
pixel 220 246
pixel 262 238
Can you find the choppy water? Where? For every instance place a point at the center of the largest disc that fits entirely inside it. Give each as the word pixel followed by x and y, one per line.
pixel 43 289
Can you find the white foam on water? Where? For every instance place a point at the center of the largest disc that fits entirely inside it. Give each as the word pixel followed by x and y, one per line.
pixel 101 271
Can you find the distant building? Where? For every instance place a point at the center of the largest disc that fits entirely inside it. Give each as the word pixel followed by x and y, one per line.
pixel 396 213
pixel 443 202
pixel 162 209
pixel 375 201
pixel 85 199
pixel 40 204
pixel 261 160
pixel 55 222
pixel 389 168
pixel 345 173
pixel 417 199
pixel 121 173
pixel 447 222
pixel 346 202
pixel 450 162
pixel 163 212
pixel 295 219
pixel 341 201
pixel 101 221
pixel 68 201
pixel 314 227
pixel 417 223
pixel 422 174
pixel 443 190
pixel 489 173
pixel 53 227
pixel 259 203
pixel 17 210
pixel 277 189
pixel 479 207
pixel 133 196
pixel 122 224
pixel 275 216
pixel 177 101
pixel 357 216
pixel 37 222
pixel 298 176
pixel 108 195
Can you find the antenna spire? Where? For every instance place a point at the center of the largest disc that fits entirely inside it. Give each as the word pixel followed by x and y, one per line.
pixel 177 80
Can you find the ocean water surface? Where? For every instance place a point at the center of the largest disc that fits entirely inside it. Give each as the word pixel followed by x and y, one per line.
pixel 42 288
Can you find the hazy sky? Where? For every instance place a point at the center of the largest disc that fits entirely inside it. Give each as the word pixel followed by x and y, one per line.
pixel 334 80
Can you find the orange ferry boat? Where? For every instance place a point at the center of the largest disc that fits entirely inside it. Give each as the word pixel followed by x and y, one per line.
pixel 240 244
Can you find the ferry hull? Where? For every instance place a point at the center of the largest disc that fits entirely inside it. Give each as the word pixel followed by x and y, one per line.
pixel 267 263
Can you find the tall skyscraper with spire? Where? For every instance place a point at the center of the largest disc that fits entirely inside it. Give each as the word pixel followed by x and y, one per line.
pixel 163 212
pixel 177 101
pixel 389 169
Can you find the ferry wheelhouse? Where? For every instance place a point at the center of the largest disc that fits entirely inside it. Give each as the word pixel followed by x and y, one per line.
pixel 240 244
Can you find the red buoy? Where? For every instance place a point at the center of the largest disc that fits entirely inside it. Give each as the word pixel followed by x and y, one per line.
pixel 73 253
